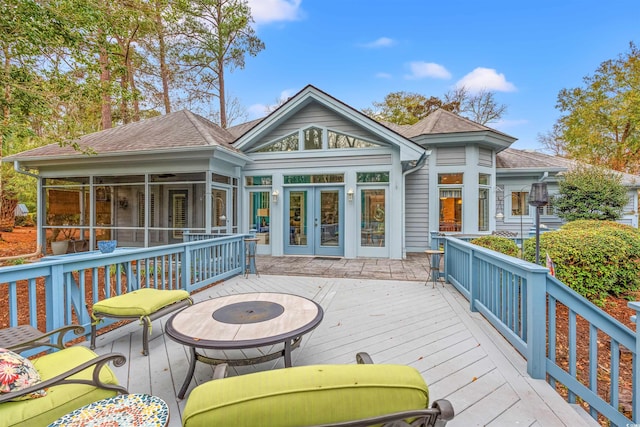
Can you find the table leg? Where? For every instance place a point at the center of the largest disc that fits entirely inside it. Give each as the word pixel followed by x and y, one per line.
pixel 287 354
pixel 192 368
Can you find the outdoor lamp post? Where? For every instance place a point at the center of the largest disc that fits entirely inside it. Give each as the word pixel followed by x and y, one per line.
pixel 538 197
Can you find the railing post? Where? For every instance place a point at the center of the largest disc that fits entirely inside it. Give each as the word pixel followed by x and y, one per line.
pixel 54 297
pixel 474 281
pixel 186 268
pixel 635 387
pixel 536 326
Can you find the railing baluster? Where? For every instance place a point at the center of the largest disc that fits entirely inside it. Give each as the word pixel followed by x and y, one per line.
pixel 614 373
pixel 572 351
pixel 593 364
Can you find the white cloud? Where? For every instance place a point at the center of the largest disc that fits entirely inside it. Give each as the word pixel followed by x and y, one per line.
pixel 420 70
pixel 383 75
pixel 256 111
pixel 267 11
pixel 486 79
pixel 381 42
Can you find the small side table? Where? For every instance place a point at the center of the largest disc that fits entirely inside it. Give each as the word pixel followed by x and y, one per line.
pixel 131 410
pixel 433 259
pixel 251 247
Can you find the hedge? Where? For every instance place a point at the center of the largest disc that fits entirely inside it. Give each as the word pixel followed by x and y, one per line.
pixel 595 258
pixel 499 244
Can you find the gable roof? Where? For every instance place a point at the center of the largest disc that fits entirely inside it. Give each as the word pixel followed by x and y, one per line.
pixel 515 160
pixel 182 129
pixel 409 150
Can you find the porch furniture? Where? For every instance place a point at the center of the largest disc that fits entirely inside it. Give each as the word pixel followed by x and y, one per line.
pixel 321 395
pixel 72 377
pixel 242 321
pixel 250 247
pixel 146 304
pixel 504 233
pixel 433 259
pixel 131 410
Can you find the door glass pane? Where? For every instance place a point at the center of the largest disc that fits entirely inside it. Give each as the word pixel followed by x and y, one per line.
pixel 178 213
pixel 297 218
pixel 372 229
pixel 259 202
pixel 329 218
pixel 218 208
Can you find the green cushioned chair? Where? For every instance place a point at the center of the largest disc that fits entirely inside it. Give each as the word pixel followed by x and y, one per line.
pixel 337 395
pixel 146 304
pixel 73 377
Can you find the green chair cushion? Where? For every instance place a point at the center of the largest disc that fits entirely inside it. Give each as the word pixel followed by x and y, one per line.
pixel 306 395
pixel 142 302
pixel 59 399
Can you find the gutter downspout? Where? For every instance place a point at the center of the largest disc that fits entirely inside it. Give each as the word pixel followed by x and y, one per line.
pixel 419 165
pixel 16 167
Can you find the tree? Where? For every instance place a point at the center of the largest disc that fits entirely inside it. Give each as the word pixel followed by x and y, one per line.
pixel 217 36
pixel 600 124
pixel 552 141
pixel 407 108
pixel 588 192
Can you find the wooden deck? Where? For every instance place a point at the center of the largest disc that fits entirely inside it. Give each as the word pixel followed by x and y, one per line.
pixel 460 355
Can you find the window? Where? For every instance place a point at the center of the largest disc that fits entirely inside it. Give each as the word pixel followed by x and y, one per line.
pixel 313 139
pixel 340 140
pixel 372 177
pixel 484 180
pixel 450 205
pixel 450 209
pixel 288 143
pixel 519 203
pixel 483 209
pixel 314 179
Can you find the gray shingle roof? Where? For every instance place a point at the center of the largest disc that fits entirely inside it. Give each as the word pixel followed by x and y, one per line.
pixel 512 158
pixel 441 121
pixel 181 129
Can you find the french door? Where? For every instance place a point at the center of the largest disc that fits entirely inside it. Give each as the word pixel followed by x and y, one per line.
pixel 314 221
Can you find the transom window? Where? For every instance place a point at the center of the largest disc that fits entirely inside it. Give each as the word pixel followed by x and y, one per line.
pixel 288 143
pixel 340 140
pixel 316 138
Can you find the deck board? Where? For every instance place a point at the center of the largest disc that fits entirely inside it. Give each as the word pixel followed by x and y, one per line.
pixel 460 355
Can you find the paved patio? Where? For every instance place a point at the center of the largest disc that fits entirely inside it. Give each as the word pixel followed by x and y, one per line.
pixel 389 314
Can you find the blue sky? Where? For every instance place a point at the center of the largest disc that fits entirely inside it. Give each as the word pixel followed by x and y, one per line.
pixel 359 51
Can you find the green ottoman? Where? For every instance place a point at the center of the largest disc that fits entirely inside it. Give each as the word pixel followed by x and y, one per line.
pixel 146 304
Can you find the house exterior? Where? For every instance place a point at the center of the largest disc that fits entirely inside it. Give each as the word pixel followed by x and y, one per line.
pixel 315 177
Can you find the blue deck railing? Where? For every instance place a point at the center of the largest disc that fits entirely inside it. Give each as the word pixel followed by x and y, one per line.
pixel 67 285
pixel 528 307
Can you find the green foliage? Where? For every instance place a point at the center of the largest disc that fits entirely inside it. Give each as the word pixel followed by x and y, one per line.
pixel 499 244
pixel 595 258
pixel 407 108
pixel 601 121
pixel 590 193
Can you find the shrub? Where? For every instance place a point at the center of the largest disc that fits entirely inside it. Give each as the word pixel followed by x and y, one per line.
pixel 499 244
pixel 595 258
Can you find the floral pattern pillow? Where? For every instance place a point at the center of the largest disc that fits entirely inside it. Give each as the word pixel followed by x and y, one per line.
pixel 17 373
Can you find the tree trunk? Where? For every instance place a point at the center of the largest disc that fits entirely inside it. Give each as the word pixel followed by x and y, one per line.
pixel 221 96
pixel 7 214
pixel 105 84
pixel 162 58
